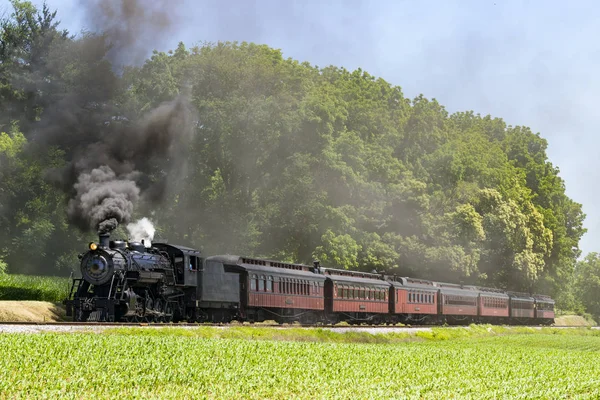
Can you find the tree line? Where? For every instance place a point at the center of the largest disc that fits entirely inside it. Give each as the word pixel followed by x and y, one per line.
pixel 289 161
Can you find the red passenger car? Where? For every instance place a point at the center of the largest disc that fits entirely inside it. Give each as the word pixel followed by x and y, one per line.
pixel 413 299
pixel 279 291
pixel 356 296
pixel 457 303
pixel 544 308
pixel 522 307
pixel 493 305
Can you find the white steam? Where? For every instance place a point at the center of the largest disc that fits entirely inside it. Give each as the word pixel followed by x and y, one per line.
pixel 142 229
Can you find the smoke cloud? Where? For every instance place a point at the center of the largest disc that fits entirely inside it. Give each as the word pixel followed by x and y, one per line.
pixel 142 229
pixel 130 162
pixel 102 199
pixel 116 161
pixel 131 27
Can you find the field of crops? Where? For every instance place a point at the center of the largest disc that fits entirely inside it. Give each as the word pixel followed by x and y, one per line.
pixel 144 364
pixel 31 287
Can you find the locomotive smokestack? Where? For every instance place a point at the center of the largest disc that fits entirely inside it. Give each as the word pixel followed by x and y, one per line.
pixel 104 240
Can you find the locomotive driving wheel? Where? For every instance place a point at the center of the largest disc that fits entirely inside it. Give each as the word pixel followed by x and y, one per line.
pixel 148 312
pixel 159 312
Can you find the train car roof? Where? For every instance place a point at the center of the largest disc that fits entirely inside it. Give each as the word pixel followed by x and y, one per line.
pixel 184 249
pixel 491 292
pixel 357 280
pixel 455 289
pixel 407 282
pixel 542 298
pixel 267 266
pixel 459 292
pixel 521 296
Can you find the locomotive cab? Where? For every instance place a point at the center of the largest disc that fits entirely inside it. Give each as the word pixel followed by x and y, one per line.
pixel 186 261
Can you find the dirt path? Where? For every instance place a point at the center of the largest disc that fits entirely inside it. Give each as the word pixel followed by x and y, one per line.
pixel 31 311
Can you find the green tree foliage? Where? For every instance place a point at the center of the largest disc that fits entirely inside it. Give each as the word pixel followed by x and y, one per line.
pixel 296 162
pixel 586 283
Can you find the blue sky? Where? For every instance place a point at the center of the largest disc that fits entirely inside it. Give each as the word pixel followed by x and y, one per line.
pixel 531 63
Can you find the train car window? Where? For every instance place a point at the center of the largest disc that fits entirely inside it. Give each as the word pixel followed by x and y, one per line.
pixel 253 282
pixel 193 263
pixel 269 284
pixel 261 284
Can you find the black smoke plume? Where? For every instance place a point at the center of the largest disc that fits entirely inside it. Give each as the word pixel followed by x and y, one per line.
pixel 115 158
pixel 106 178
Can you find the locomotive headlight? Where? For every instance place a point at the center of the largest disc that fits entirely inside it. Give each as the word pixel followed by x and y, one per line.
pixel 93 246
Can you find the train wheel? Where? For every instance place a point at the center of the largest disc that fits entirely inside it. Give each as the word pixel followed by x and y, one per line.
pixel 158 309
pixel 168 313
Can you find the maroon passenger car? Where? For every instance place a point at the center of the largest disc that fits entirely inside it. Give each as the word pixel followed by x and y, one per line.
pixel 273 290
pixel 457 303
pixel 522 307
pixel 413 299
pixel 493 305
pixel 358 296
pixel 544 308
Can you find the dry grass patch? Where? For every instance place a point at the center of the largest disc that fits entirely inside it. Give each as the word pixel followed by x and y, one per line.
pixel 31 311
pixel 572 320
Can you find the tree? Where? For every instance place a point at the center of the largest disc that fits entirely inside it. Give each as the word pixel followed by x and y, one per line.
pixel 587 283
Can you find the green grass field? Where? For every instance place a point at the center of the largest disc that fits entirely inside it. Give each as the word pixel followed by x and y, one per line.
pixel 31 287
pixel 201 363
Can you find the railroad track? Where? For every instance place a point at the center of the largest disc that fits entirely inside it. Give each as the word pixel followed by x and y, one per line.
pixel 251 325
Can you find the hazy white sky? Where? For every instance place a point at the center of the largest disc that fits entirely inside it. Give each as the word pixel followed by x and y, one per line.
pixel 531 63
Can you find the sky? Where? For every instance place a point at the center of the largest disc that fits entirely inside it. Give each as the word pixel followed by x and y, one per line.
pixel 531 63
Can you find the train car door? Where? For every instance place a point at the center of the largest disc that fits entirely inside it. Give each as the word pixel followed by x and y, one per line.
pixel 328 292
pixel 244 285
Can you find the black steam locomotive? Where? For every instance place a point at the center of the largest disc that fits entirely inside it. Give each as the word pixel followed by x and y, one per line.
pixel 129 282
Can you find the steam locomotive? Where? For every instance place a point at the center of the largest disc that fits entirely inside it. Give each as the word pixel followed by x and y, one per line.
pixel 129 282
